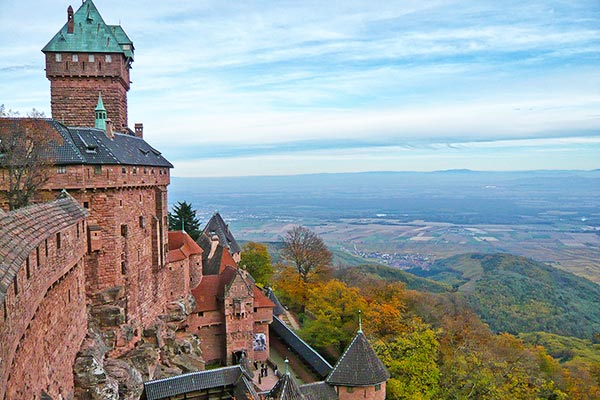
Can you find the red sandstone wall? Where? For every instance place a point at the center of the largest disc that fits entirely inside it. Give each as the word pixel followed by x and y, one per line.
pixel 41 329
pixel 74 87
pixel 262 355
pixel 239 320
pixel 366 392
pixel 195 270
pixel 178 278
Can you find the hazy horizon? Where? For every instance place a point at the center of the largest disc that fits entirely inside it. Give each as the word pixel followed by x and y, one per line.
pixel 261 88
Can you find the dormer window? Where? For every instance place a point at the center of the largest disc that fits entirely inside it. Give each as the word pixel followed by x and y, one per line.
pixel 58 57
pixel 75 57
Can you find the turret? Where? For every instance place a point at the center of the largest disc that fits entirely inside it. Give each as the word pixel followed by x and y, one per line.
pixel 85 56
pixel 359 373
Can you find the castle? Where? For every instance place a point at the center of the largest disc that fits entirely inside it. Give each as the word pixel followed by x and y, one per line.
pixel 93 260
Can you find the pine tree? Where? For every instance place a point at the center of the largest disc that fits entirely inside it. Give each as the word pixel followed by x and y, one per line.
pixel 184 218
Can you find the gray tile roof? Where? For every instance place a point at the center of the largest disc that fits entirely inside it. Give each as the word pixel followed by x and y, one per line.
pixel 92 146
pixel 217 226
pixel 358 366
pixel 318 391
pixel 278 309
pixel 300 347
pixel 22 230
pixel 286 388
pixel 195 381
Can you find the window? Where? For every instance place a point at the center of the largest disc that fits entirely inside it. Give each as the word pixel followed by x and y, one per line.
pixel 15 286
pixel 201 314
pixel 75 57
pixel 78 229
pixel 46 245
pixel 58 240
pixel 27 268
pixel 108 58
pixel 142 222
pixel 5 310
pixel 37 256
pixel 123 268
pixel 97 169
pixel 91 58
pixel 86 204
pixel 61 169
pixel 134 170
pixel 123 170
pixel 124 230
pixel 350 389
pixel 58 57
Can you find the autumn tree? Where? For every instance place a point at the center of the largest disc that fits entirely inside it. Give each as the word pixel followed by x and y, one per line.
pixel 27 148
pixel 183 218
pixel 306 250
pixel 257 261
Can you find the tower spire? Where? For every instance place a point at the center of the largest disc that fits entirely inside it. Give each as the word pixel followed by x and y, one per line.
pixel 360 321
pixel 100 112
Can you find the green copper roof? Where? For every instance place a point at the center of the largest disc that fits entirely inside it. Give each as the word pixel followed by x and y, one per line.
pixel 100 105
pixel 100 112
pixel 90 35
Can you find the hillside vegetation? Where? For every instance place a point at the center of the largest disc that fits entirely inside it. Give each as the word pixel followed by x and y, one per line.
pixel 391 274
pixel 515 294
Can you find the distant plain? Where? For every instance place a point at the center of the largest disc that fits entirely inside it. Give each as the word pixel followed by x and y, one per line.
pixel 410 219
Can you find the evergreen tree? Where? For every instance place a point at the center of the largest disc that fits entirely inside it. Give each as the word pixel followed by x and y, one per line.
pixel 184 218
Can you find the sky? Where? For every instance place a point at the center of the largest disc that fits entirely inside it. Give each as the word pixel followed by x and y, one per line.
pixel 234 88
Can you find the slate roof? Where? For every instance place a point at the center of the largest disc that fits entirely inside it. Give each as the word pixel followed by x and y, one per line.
pixel 358 366
pixel 195 381
pixel 217 226
pixel 300 347
pixel 90 35
pixel 318 391
pixel 22 230
pixel 91 146
pixel 181 246
pixel 278 310
pixel 286 388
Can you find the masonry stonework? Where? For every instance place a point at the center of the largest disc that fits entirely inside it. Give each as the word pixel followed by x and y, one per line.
pixel 44 317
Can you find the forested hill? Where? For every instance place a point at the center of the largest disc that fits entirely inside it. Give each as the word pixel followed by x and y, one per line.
pixel 515 294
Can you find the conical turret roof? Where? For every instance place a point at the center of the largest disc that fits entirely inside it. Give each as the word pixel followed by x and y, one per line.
pixel 358 366
pixel 286 388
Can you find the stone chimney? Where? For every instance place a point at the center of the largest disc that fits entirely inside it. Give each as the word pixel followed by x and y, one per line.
pixel 139 130
pixel 70 22
pixel 110 129
pixel 214 242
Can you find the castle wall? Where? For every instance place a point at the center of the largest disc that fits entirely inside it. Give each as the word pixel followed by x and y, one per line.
pixel 74 87
pixel 178 279
pixel 239 319
pixel 375 392
pixel 44 319
pixel 261 354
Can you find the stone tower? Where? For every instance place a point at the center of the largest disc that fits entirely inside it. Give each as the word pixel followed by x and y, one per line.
pixel 85 57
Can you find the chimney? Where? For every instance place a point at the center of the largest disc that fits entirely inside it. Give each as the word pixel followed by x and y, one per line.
pixel 70 22
pixel 214 242
pixel 139 130
pixel 109 129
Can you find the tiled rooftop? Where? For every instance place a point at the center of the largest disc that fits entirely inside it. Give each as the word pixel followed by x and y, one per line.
pixel 22 230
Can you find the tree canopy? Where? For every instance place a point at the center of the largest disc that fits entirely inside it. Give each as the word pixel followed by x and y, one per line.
pixel 183 217
pixel 255 257
pixel 25 154
pixel 306 250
